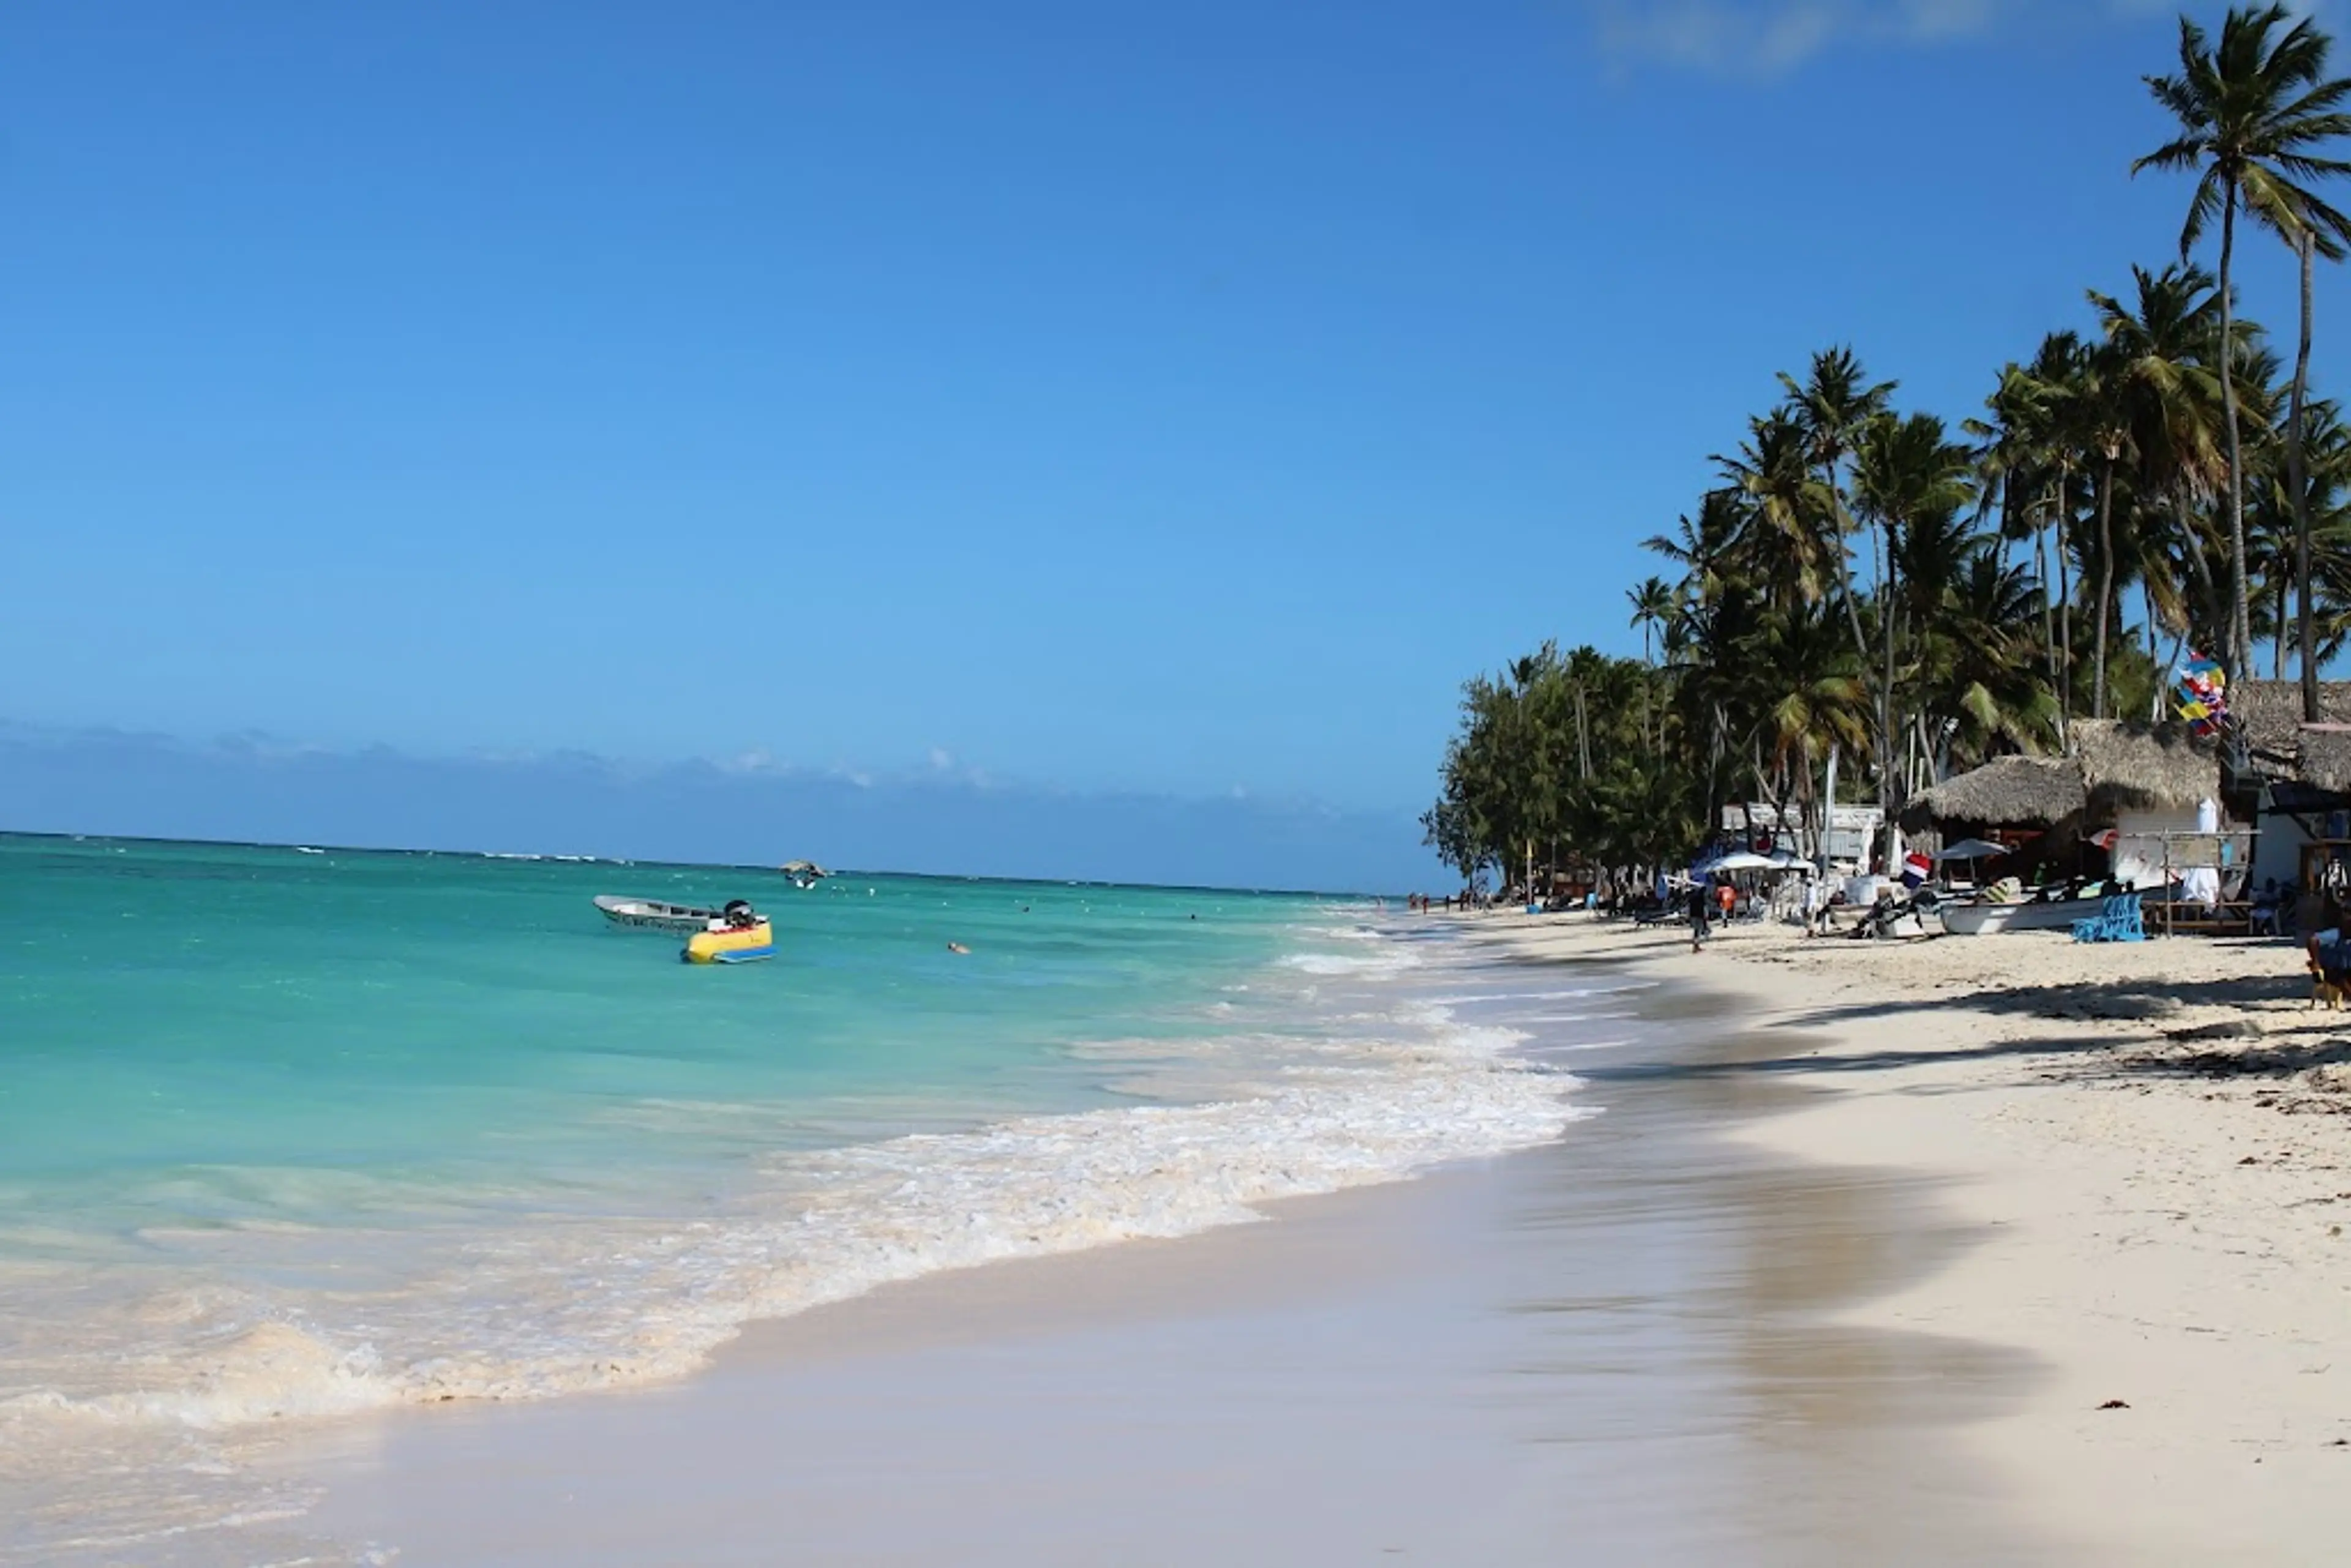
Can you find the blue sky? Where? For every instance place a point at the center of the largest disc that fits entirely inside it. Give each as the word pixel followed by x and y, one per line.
pixel 1071 397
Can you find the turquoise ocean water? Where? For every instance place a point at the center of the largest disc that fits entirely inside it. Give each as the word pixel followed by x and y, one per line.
pixel 289 1134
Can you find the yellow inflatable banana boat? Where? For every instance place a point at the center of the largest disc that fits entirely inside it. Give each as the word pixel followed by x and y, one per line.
pixel 740 935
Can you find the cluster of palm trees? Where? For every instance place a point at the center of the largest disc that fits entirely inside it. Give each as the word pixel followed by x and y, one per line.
pixel 1877 587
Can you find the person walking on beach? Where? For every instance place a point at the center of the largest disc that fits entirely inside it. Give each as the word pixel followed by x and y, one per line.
pixel 1702 913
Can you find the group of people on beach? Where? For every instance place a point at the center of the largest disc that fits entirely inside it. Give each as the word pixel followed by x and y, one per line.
pixel 1709 898
pixel 1421 902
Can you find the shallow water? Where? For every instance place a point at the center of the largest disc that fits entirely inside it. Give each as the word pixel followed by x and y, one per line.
pixel 289 1134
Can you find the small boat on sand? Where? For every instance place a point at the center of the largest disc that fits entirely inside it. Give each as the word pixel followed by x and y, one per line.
pixel 741 934
pixel 651 914
pixel 1984 918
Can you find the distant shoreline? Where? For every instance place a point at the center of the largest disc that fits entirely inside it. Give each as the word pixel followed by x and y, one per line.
pixel 526 855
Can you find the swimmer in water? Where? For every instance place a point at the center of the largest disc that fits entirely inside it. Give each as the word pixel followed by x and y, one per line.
pixel 957 948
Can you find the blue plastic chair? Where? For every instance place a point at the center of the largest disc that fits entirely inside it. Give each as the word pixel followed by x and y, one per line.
pixel 2124 919
pixel 2118 920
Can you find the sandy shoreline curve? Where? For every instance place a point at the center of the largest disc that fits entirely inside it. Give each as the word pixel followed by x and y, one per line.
pixel 2153 1144
pixel 1864 1241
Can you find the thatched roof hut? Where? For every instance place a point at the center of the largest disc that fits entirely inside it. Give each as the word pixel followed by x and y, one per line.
pixel 2135 768
pixel 2115 767
pixel 2323 757
pixel 2006 793
pixel 2269 716
pixel 2269 713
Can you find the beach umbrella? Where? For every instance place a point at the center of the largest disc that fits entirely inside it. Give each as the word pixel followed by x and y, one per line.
pixel 1972 851
pixel 1745 860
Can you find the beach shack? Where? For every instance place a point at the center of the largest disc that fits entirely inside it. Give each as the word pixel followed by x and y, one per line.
pixel 2162 793
pixel 2128 799
pixel 2033 806
pixel 2298 777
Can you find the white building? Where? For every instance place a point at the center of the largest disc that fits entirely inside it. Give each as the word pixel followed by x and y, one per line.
pixel 1853 830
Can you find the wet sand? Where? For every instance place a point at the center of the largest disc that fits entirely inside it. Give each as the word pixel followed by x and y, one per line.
pixel 2153 1141
pixel 1636 1344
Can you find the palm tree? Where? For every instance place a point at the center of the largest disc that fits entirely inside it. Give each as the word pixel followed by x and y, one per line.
pixel 1808 698
pixel 2319 229
pixel 2048 397
pixel 1980 685
pixel 2102 418
pixel 1907 475
pixel 1794 529
pixel 1835 402
pixel 2327 501
pixel 2250 112
pixel 2153 393
pixel 1653 602
pixel 2278 196
pixel 1655 606
pixel 1702 549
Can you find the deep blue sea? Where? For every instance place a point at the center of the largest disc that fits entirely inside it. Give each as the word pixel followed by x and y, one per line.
pixel 292 1133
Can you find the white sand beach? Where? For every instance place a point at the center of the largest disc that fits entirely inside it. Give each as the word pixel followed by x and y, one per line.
pixel 2151 1142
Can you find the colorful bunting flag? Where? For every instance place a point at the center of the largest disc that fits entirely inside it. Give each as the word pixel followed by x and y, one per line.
pixel 2201 696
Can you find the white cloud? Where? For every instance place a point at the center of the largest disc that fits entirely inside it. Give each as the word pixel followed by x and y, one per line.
pixel 758 759
pixel 1769 37
pixel 941 759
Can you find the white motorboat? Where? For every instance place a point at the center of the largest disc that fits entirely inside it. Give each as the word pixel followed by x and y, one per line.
pixel 1983 919
pixel 652 914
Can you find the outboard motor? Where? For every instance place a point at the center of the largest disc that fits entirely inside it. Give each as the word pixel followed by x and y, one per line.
pixel 739 913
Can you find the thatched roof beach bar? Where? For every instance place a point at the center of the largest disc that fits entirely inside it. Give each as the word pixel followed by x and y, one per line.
pixel 2130 767
pixel 2115 769
pixel 2008 792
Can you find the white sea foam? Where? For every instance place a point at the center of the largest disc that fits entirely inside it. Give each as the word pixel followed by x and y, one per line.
pixel 1393 961
pixel 1487 998
pixel 575 1304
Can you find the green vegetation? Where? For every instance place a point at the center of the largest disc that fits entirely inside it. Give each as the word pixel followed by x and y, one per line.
pixel 1880 586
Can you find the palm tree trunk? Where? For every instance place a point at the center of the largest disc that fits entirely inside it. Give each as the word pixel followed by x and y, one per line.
pixel 2048 601
pixel 1714 772
pixel 2277 634
pixel 2297 482
pixel 2199 570
pixel 1648 678
pixel 1828 808
pixel 1889 793
pixel 2106 582
pixel 1845 566
pixel 2241 614
pixel 1805 801
pixel 1583 737
pixel 2064 629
